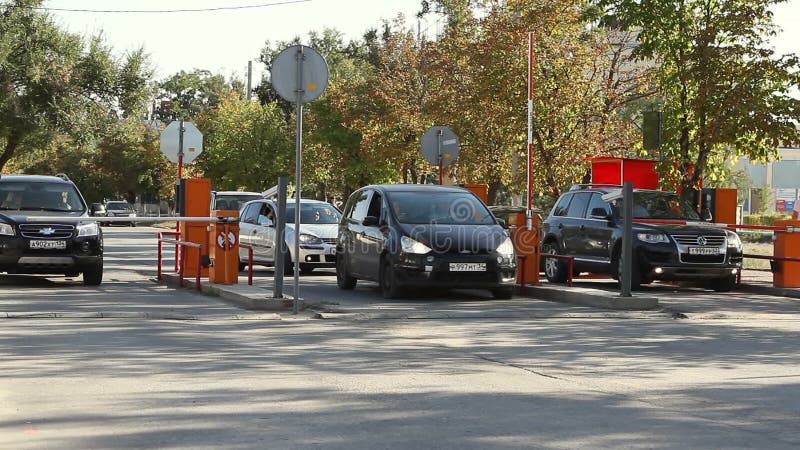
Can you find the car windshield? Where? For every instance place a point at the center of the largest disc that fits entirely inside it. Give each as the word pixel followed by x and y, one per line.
pixel 118 206
pixel 314 213
pixel 37 196
pixel 659 205
pixel 453 208
pixel 233 201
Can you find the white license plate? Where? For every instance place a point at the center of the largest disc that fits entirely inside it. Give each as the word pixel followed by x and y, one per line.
pixel 332 251
pixel 467 267
pixel 703 250
pixel 57 245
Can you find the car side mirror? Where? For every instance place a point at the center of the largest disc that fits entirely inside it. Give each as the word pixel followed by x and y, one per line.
pixel 502 223
pixel 706 216
pixel 265 221
pixel 98 209
pixel 370 221
pixel 600 213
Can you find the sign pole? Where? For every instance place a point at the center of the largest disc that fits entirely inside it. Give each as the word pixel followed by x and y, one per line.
pixel 439 155
pixel 529 204
pixel 180 168
pixel 298 174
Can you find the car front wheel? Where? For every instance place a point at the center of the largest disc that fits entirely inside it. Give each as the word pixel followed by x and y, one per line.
pixel 94 275
pixel 343 278
pixel 554 269
pixel 724 284
pixel 388 284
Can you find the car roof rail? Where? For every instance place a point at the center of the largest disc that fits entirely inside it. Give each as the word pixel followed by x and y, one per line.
pixel 577 187
pixel 63 176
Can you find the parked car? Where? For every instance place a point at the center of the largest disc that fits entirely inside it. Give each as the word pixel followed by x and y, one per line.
pixel 423 236
pixel 587 225
pixel 120 209
pixel 48 246
pixel 318 227
pixel 232 200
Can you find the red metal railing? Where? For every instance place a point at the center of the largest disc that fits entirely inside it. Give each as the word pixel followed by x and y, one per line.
pixel 182 258
pixel 769 257
pixel 175 234
pixel 249 262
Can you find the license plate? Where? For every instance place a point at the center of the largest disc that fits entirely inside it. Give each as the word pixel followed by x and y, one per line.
pixel 57 245
pixel 467 267
pixel 332 251
pixel 703 250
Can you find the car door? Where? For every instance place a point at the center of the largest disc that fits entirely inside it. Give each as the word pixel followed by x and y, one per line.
pixel 373 238
pixel 598 231
pixel 573 226
pixel 351 241
pixel 247 222
pixel 264 233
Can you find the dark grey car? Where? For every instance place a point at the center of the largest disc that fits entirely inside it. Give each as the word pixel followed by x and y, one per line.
pixel 423 236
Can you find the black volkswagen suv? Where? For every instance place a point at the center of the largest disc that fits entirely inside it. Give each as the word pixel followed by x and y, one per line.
pixel 423 236
pixel 586 223
pixel 48 246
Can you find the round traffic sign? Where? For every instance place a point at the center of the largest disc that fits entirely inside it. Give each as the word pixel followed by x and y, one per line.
pixel 440 143
pixel 299 69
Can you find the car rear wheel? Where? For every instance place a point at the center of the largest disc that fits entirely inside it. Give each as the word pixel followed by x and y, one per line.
pixel 388 284
pixel 94 275
pixel 636 272
pixel 306 269
pixel 288 267
pixel 554 269
pixel 343 278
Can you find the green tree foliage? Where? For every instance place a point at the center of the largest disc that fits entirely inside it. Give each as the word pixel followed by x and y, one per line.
pixel 724 91
pixel 188 95
pixel 54 84
pixel 247 145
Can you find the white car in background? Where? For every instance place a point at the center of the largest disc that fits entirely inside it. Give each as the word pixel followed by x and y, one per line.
pixel 232 200
pixel 319 224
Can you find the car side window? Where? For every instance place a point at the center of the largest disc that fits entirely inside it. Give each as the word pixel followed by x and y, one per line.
pixel 595 204
pixel 375 205
pixel 250 213
pixel 577 207
pixel 361 207
pixel 561 207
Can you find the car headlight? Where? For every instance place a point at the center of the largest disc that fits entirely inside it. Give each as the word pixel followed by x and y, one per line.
pixel 6 229
pixel 411 246
pixel 734 240
pixel 506 248
pixel 309 239
pixel 88 229
pixel 652 238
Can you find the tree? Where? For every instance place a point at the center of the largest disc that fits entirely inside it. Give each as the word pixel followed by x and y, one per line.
pixel 54 84
pixel 188 95
pixel 724 92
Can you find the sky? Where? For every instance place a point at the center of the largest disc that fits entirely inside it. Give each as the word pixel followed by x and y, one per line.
pixel 223 41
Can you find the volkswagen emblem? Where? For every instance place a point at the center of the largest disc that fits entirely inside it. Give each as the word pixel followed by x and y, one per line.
pixel 47 231
pixel 701 240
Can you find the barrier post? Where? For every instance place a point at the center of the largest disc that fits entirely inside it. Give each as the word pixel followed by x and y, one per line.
pixel 787 245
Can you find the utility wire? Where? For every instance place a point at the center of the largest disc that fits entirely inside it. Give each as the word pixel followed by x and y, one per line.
pixel 160 11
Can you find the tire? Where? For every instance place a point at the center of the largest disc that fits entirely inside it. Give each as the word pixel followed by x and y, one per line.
pixel 306 269
pixel 636 272
pixel 288 266
pixel 503 293
pixel 343 278
pixel 554 269
pixel 724 284
pixel 94 275
pixel 242 266
pixel 389 288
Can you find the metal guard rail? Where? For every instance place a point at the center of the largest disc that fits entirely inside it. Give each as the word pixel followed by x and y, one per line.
pixel 161 234
pixel 570 264
pixel 182 257
pixel 769 257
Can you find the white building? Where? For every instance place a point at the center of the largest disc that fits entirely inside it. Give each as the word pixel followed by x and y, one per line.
pixel 780 178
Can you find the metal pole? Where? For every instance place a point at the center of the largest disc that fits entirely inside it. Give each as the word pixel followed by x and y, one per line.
pixel 180 170
pixel 529 203
pixel 627 240
pixel 249 78
pixel 439 154
pixel 298 174
pixel 280 231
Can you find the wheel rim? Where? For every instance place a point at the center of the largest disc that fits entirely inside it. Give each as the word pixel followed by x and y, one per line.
pixel 551 264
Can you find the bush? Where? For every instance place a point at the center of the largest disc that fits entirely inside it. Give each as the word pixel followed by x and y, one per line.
pixel 764 219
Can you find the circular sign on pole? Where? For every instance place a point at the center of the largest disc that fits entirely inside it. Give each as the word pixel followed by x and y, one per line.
pixel 192 141
pixel 440 144
pixel 285 68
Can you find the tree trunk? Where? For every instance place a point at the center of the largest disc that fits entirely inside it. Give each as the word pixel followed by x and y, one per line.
pixel 10 148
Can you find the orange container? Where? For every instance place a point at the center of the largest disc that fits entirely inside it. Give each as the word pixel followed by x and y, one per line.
pixel 787 245
pixel 224 249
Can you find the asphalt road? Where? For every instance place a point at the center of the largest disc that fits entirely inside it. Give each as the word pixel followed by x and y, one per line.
pixel 120 367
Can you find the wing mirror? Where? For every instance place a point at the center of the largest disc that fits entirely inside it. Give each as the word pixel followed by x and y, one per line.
pixel 600 213
pixel 370 221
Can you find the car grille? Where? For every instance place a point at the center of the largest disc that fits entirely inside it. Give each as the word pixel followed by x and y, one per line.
pixel 329 240
pixel 46 231
pixel 691 239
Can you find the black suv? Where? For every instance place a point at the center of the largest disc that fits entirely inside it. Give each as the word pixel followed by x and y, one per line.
pixel 423 236
pixel 587 225
pixel 66 247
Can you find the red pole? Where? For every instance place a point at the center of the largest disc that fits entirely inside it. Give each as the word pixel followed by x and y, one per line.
pixel 159 256
pixel 531 59
pixel 180 177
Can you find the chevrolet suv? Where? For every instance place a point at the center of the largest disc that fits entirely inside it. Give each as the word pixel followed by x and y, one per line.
pixel 48 246
pixel 676 245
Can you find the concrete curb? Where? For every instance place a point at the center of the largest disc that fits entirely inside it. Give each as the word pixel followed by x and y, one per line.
pixel 770 290
pixel 244 296
pixel 592 297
